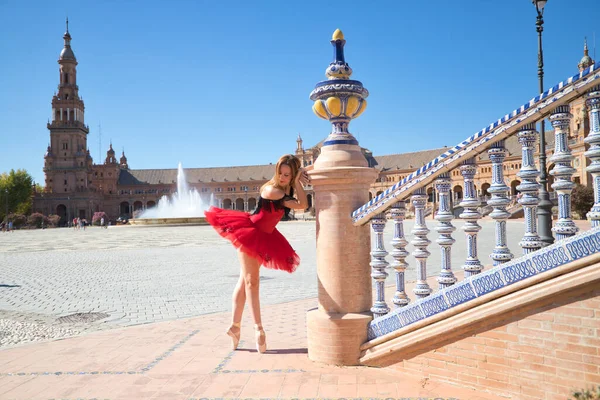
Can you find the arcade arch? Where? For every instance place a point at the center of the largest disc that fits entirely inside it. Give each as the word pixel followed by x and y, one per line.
pixel 124 208
pixel 484 189
pixel 513 187
pixel 251 204
pixel 457 193
pixel 239 204
pixel 61 211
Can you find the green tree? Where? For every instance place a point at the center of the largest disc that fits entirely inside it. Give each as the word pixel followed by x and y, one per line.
pixel 15 192
pixel 587 394
pixel 582 200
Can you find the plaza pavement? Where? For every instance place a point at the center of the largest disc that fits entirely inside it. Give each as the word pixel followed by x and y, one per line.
pixel 167 292
pixel 140 275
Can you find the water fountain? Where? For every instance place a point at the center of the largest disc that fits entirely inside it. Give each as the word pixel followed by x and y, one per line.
pixel 184 207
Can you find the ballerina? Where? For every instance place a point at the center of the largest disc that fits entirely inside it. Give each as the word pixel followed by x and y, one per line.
pixel 259 242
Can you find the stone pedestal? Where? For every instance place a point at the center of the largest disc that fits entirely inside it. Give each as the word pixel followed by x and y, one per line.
pixel 338 327
pixel 341 178
pixel 336 338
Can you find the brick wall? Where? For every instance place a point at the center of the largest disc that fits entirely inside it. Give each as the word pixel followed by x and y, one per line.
pixel 544 351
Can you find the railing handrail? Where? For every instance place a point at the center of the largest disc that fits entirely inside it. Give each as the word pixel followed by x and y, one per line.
pixel 537 108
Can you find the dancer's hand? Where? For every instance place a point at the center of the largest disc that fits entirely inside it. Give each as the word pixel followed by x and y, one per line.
pixel 302 177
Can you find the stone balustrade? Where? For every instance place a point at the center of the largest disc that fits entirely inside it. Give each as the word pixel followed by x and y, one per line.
pixel 461 157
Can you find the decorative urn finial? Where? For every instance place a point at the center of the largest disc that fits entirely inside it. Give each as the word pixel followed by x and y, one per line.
pixel 339 68
pixel 339 99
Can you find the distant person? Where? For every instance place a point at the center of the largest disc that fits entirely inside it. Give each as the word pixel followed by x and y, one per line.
pixel 10 226
pixel 258 242
pixel 102 223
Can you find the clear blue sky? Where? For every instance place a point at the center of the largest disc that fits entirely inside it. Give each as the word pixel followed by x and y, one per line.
pixel 217 83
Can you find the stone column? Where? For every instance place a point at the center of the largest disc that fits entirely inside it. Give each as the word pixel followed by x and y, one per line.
pixel 420 243
pixel 445 228
pixel 593 139
pixel 341 179
pixel 399 242
pixel 499 201
pixel 529 189
pixel 562 172
pixel 470 215
pixel 379 265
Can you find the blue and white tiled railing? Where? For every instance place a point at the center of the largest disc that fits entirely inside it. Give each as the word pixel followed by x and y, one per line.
pixel 554 104
pixel 498 277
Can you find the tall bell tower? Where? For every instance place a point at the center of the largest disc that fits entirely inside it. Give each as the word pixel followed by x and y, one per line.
pixel 66 165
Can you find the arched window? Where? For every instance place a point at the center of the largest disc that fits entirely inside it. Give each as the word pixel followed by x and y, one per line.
pixel 458 192
pixel 430 195
pixel 513 187
pixel 484 189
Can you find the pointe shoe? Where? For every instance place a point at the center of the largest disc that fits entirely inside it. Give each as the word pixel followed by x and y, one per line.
pixel 261 339
pixel 235 339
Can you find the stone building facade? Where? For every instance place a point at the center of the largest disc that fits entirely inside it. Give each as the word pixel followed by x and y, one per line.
pixel 77 187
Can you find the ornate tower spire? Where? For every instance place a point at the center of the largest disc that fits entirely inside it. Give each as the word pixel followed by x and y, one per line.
pixel 67 106
pixel 123 160
pixel 110 155
pixel 67 52
pixel 586 60
pixel 299 145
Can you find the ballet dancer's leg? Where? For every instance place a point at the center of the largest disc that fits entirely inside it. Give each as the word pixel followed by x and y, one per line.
pixel 250 270
pixel 238 300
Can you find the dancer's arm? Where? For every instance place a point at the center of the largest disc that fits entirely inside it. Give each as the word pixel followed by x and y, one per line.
pixel 301 201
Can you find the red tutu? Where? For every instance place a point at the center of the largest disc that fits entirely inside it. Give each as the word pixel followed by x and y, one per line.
pixel 256 235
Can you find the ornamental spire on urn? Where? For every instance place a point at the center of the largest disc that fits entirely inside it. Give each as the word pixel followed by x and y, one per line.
pixel 339 99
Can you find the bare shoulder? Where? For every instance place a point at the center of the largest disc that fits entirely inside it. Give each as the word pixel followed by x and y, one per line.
pixel 272 193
